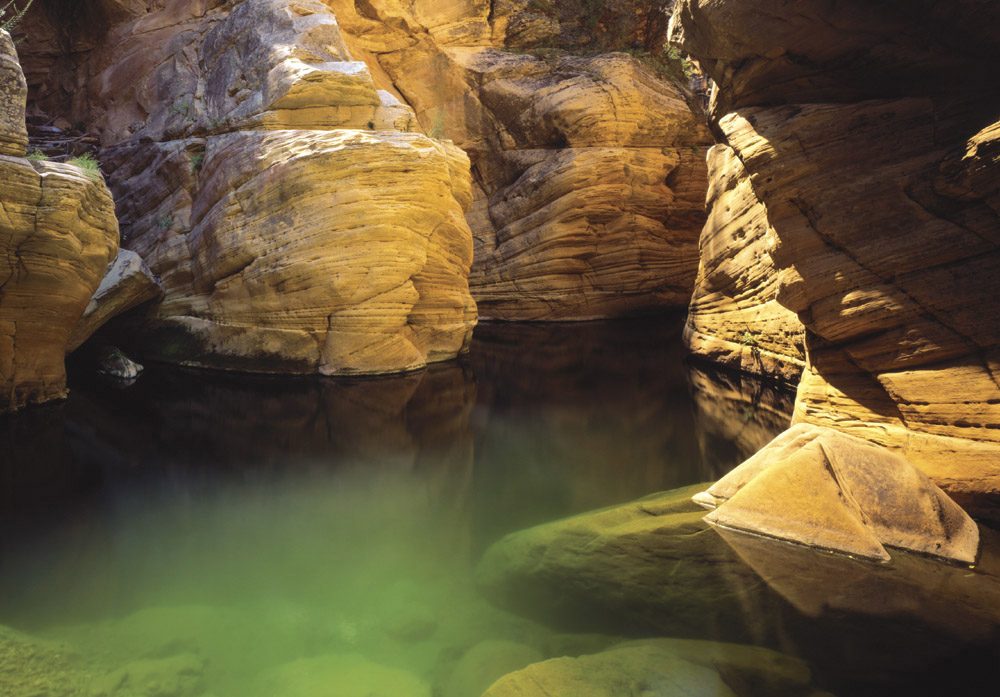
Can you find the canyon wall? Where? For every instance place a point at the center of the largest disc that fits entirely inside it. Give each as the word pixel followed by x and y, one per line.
pixel 296 219
pixel 857 185
pixel 588 166
pixel 58 233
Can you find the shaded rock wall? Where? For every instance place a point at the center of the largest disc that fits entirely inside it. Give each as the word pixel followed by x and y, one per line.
pixel 296 222
pixel 57 235
pixel 866 135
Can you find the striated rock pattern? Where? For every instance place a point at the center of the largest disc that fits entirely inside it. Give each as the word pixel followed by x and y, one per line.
pixel 589 173
pixel 295 222
pixel 816 486
pixel 864 150
pixel 735 319
pixel 127 284
pixel 57 234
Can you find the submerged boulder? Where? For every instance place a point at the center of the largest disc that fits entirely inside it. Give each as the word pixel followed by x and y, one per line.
pixel 662 667
pixel 819 487
pixel 340 675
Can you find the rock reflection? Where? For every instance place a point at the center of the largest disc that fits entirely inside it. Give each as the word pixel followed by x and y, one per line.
pixel 736 415
pixel 572 416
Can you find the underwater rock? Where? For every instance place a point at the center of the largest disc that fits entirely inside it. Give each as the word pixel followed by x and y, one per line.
pixel 175 676
pixel 30 667
pixel 860 139
pixel 662 667
pixel 127 284
pixel 480 666
pixel 652 564
pixel 339 675
pixel 819 487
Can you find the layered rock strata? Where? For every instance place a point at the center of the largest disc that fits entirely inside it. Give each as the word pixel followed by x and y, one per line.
pixel 588 170
pixel 295 220
pixel 58 233
pixel 818 487
pixel 860 142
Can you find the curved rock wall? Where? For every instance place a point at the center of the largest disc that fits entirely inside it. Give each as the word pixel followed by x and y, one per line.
pixel 867 139
pixel 588 166
pixel 296 221
pixel 58 234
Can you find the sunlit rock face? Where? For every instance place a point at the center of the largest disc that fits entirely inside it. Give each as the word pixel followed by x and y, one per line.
pixel 57 235
pixel 867 138
pixel 588 170
pixel 297 223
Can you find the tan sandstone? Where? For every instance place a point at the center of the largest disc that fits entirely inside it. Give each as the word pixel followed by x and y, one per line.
pixel 296 221
pixel 874 181
pixel 58 233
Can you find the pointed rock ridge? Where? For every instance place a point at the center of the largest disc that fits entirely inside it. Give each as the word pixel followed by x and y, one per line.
pixel 819 487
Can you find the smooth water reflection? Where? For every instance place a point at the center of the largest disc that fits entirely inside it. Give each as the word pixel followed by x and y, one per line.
pixel 203 534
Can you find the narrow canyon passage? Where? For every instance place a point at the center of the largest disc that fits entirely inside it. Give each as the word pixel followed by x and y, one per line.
pixel 499 348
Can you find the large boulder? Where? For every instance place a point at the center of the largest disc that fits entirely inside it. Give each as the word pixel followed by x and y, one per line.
pixel 863 139
pixel 58 233
pixel 819 487
pixel 662 667
pixel 297 224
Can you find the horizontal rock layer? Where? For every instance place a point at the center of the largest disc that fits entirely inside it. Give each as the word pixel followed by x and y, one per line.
pixel 295 221
pixel 58 233
pixel 859 162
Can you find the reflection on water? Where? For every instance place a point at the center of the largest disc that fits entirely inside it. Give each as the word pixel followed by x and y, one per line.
pixel 202 534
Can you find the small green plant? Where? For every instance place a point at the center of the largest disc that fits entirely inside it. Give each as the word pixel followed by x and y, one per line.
pixel 164 222
pixel 90 166
pixel 748 338
pixel 12 12
pixel 197 160
pixel 437 129
pixel 37 155
pixel 181 107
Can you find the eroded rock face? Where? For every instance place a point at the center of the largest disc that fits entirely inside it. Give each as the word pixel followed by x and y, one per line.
pixel 859 157
pixel 819 487
pixel 57 235
pixel 296 224
pixel 589 173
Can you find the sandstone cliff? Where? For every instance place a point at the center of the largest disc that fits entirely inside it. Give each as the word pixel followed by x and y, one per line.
pixel 57 235
pixel 588 166
pixel 857 185
pixel 297 222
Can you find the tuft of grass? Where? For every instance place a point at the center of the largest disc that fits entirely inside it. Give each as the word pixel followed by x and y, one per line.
pixel 164 222
pixel 90 166
pixel 37 155
pixel 197 161
pixel 12 12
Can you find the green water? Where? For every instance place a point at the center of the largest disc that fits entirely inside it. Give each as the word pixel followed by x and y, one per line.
pixel 200 535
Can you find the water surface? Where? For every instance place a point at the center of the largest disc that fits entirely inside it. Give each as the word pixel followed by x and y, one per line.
pixel 208 534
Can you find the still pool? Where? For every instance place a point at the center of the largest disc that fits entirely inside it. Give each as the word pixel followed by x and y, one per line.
pixel 208 535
